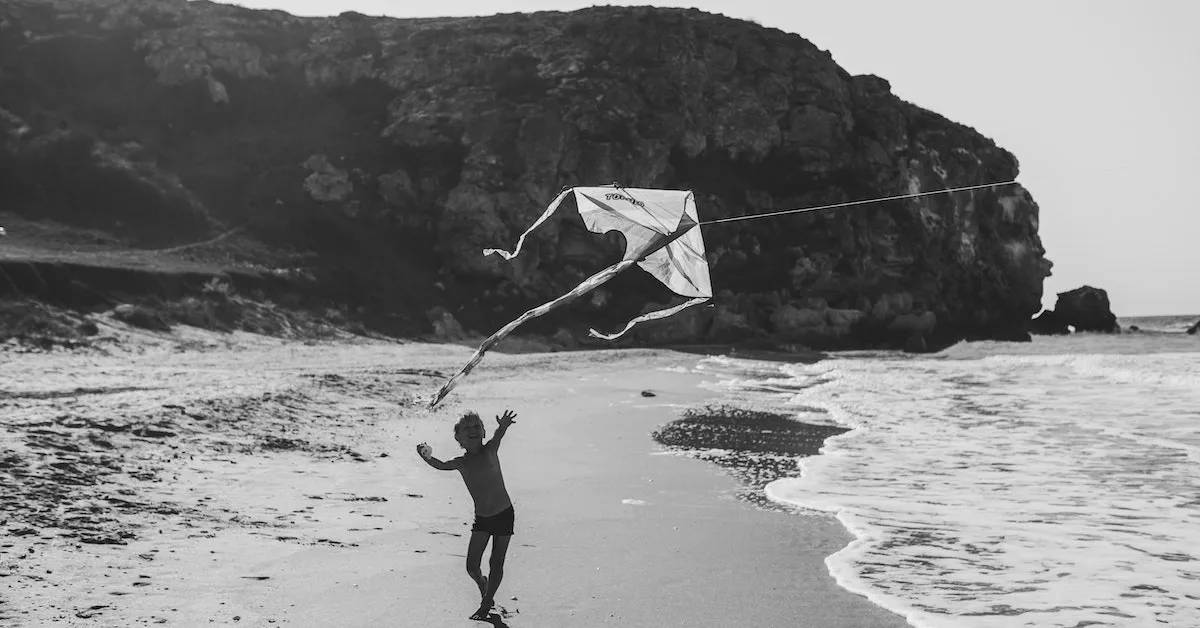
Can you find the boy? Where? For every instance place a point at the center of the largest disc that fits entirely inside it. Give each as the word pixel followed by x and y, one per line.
pixel 480 469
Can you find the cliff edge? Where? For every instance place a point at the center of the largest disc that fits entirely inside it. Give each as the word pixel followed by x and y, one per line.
pixel 377 157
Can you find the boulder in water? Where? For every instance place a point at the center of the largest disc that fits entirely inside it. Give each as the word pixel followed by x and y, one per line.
pixel 1086 309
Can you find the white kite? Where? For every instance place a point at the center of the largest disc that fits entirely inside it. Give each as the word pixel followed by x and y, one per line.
pixel 661 235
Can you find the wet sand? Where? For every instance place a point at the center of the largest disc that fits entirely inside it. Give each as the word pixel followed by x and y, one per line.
pixel 205 479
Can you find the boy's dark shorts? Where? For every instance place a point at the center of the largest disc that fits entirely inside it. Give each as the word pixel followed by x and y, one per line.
pixel 499 524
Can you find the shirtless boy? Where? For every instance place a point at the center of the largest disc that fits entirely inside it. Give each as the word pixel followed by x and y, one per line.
pixel 480 469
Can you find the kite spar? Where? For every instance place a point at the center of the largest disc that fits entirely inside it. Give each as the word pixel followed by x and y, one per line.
pixel 660 236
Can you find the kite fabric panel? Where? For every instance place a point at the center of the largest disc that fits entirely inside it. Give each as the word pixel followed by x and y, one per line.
pixel 661 235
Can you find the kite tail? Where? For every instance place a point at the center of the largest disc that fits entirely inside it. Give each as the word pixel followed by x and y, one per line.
pixel 588 284
pixel 650 316
pixel 521 242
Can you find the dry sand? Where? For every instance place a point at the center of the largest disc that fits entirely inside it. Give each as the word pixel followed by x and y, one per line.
pixel 202 479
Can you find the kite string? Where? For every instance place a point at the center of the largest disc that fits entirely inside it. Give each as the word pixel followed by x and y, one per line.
pixel 849 203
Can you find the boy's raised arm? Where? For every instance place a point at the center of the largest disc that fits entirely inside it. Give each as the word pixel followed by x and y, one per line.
pixel 503 422
pixel 426 453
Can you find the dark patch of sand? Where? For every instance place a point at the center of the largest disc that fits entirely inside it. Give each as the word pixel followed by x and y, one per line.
pixel 757 447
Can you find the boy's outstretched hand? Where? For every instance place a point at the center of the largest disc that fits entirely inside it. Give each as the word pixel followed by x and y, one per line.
pixel 424 450
pixel 506 419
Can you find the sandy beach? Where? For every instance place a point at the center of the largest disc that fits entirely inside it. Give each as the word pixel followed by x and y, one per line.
pixel 206 479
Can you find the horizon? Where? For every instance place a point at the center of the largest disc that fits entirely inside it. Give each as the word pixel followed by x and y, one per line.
pixel 1092 97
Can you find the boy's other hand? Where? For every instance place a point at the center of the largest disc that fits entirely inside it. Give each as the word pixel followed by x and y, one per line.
pixel 424 450
pixel 507 418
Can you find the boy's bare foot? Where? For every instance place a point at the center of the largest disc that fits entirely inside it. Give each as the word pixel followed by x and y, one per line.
pixel 484 609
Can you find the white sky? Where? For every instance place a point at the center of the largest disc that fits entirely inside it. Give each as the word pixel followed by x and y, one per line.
pixel 1096 98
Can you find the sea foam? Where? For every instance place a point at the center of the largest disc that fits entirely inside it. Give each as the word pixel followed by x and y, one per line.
pixel 1052 483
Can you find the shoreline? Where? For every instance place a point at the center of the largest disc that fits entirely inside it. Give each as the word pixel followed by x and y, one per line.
pixel 309 509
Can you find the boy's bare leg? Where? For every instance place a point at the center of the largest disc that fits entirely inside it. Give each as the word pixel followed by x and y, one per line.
pixel 475 548
pixel 496 566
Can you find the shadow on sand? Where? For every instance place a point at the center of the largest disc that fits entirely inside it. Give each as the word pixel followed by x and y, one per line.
pixel 494 618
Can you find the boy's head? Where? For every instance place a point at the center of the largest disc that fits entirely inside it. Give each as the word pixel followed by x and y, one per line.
pixel 469 430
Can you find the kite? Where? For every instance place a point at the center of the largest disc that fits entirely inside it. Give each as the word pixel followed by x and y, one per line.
pixel 661 236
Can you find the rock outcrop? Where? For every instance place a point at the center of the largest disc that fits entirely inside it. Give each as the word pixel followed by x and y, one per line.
pixel 1048 323
pixel 393 151
pixel 1085 309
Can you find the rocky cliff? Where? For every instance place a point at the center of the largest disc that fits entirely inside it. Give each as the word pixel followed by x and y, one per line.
pixel 387 153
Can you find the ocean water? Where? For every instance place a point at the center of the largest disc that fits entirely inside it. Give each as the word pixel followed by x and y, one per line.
pixel 1159 324
pixel 1052 484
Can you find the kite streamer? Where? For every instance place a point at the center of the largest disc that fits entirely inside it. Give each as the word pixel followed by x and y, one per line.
pixel 588 284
